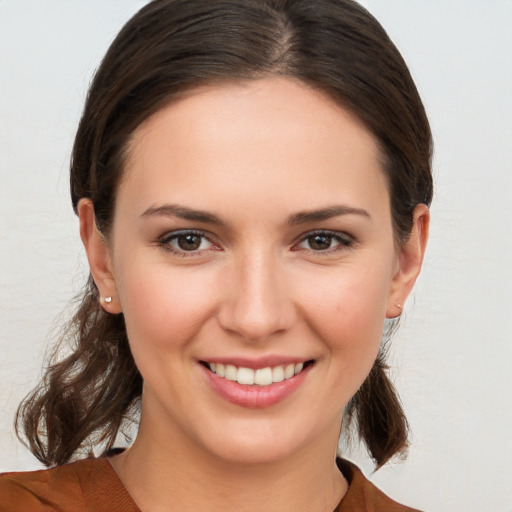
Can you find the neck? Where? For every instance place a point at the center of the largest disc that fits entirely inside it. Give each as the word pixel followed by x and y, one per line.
pixel 158 471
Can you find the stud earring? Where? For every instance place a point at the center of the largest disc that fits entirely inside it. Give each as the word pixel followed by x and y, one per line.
pixel 399 305
pixel 107 300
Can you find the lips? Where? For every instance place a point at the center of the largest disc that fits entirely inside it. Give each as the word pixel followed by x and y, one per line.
pixel 255 385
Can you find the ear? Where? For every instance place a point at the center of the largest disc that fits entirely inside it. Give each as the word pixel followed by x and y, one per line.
pixel 410 259
pixel 99 257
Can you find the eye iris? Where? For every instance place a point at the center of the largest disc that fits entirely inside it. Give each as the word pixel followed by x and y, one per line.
pixel 320 242
pixel 189 242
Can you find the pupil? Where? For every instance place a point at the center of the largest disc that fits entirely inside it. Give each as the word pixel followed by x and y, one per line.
pixel 320 242
pixel 189 242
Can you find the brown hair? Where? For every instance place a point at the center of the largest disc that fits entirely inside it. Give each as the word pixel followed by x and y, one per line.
pixel 169 46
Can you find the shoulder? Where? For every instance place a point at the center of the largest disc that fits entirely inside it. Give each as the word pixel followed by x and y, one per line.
pixel 89 484
pixel 363 496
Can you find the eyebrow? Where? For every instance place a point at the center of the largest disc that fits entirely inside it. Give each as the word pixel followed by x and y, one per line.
pixel 304 217
pixel 325 213
pixel 174 210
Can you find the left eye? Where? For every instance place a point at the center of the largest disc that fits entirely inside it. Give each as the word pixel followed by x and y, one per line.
pixel 186 242
pixel 319 242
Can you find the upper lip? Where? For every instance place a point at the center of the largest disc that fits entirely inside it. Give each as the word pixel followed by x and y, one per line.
pixel 256 363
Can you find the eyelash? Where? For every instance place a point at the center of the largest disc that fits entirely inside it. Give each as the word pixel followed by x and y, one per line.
pixel 344 241
pixel 165 242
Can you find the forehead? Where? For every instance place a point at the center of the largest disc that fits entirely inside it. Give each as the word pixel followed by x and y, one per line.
pixel 275 137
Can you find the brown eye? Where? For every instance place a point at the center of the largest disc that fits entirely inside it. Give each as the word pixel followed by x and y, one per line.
pixel 325 241
pixel 319 242
pixel 189 242
pixel 186 243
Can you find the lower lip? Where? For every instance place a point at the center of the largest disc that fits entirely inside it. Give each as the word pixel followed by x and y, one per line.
pixel 255 397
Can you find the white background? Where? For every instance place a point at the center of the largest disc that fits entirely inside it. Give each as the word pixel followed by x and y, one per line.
pixel 452 359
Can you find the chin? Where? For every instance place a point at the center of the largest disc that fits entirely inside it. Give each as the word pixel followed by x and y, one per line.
pixel 243 454
pixel 258 444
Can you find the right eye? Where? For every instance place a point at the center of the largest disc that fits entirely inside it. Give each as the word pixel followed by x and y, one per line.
pixel 186 243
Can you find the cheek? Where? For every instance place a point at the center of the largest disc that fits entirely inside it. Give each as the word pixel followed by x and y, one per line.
pixel 350 302
pixel 163 306
pixel 347 313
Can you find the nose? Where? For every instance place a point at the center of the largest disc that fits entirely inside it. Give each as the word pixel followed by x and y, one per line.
pixel 258 303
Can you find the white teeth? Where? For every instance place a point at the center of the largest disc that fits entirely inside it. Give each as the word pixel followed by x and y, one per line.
pixel 263 377
pixel 260 377
pixel 289 371
pixel 220 370
pixel 245 376
pixel 230 372
pixel 277 374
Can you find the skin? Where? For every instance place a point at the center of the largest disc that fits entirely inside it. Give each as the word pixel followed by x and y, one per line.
pixel 254 155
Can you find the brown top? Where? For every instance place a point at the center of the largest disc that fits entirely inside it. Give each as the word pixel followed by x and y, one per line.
pixel 92 485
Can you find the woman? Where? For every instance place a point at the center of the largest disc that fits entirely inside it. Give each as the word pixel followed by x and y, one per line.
pixel 252 181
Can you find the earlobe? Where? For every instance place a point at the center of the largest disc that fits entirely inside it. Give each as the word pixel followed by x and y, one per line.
pixel 410 259
pixel 99 257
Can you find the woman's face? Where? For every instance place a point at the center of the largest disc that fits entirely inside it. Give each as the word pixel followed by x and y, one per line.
pixel 252 232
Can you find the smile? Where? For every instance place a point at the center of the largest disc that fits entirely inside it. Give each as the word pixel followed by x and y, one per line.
pixel 254 384
pixel 257 377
